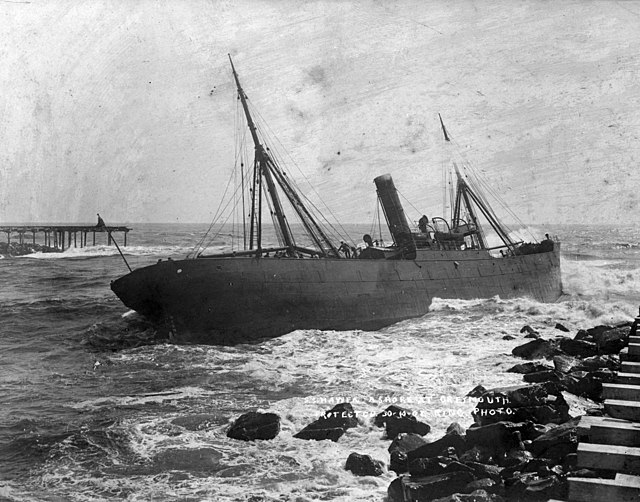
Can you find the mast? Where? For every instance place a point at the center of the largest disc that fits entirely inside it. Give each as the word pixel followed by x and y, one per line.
pixel 463 192
pixel 262 167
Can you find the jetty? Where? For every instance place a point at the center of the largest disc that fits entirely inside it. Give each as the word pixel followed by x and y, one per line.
pixel 611 443
pixel 60 237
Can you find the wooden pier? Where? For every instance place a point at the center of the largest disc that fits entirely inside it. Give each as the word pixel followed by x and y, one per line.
pixel 60 237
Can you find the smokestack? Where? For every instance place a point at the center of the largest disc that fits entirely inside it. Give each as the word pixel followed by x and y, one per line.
pixel 396 219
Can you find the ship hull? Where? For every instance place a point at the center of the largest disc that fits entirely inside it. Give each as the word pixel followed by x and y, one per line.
pixel 227 300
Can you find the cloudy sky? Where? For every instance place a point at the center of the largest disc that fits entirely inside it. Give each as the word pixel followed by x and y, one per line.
pixel 127 107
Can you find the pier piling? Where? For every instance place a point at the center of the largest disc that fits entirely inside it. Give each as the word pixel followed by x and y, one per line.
pixel 61 237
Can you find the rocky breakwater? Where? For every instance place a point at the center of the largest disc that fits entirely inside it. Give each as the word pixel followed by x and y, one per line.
pixel 522 444
pixel 523 440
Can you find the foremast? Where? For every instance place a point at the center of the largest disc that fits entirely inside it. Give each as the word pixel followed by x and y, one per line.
pixel 265 166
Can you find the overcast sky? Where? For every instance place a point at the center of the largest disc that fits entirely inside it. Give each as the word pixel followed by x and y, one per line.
pixel 127 107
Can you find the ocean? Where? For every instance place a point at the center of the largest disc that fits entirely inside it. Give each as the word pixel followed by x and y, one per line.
pixel 94 407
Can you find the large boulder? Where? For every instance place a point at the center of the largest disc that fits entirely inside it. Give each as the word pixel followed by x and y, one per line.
pixel 531 487
pixel 332 425
pixel 564 363
pixel 254 425
pixel 450 440
pixel 590 385
pixel 397 420
pixel 611 362
pixel 364 465
pixel 479 495
pixel 536 349
pixel 421 467
pixel 540 403
pixel 577 348
pixel 542 376
pixel 399 449
pixel 612 341
pixel 428 488
pixel 532 367
pixel 499 437
pixel 482 470
pixel 558 442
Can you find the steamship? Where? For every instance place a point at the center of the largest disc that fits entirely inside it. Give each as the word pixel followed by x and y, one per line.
pixel 309 281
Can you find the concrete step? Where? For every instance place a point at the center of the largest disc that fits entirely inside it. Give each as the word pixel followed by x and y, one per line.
pixel 634 339
pixel 622 391
pixel 628 378
pixel 622 459
pixel 628 479
pixel 634 349
pixel 626 410
pixel 587 421
pixel 630 367
pixel 620 433
pixel 609 490
pixel 625 355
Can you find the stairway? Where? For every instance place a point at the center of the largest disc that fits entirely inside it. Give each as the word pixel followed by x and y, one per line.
pixel 613 441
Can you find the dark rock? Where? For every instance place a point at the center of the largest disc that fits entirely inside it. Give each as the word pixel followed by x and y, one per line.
pixel 528 329
pixel 577 348
pixel 542 376
pixel 480 454
pixel 254 425
pixel 508 337
pixel 570 462
pixel 597 330
pixel 332 425
pixel 611 362
pixel 540 403
pixel 399 420
pixel 525 368
pixel 515 457
pixel 583 334
pixel 532 335
pixel 560 327
pixel 486 484
pixel 558 442
pixel 541 466
pixel 399 462
pixel 482 470
pixel 550 487
pixel 571 382
pixel 498 437
pixel 421 467
pixel 320 434
pixel 395 492
pixel 433 487
pixel 565 364
pixel 590 385
pixel 452 439
pixel 535 349
pixel 477 391
pixel 399 448
pixel 406 442
pixel 475 496
pixel 612 341
pixel 364 465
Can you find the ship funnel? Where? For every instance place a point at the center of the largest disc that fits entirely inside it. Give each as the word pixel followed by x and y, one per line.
pixel 396 219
